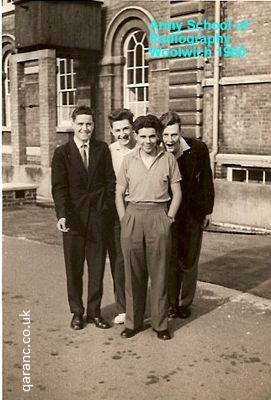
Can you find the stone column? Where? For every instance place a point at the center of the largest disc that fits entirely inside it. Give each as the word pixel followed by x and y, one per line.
pixel 17 107
pixel 47 105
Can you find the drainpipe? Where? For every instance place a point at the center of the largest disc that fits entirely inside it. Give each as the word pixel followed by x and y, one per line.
pixel 215 93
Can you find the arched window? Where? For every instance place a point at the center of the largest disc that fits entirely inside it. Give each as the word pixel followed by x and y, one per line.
pixel 136 82
pixel 66 90
pixel 6 89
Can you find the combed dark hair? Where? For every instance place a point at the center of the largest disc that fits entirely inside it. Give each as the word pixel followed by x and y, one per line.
pixel 170 118
pixel 146 121
pixel 82 110
pixel 120 114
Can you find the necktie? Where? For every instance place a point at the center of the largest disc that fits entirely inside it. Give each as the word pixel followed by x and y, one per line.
pixel 84 155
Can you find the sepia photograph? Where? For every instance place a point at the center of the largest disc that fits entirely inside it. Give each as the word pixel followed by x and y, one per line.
pixel 136 200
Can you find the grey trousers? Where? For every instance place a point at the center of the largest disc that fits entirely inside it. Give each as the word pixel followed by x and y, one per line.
pixel 146 247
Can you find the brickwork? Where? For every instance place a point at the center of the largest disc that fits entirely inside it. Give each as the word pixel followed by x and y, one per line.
pixel 32 109
pixel 159 86
pixel 244 116
pixel 255 39
pixel 8 24
pixel 246 119
pixel 160 10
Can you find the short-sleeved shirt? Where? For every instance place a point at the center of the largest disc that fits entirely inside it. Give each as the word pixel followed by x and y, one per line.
pixel 148 185
pixel 117 154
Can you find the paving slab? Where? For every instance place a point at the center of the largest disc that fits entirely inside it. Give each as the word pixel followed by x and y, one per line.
pixel 222 352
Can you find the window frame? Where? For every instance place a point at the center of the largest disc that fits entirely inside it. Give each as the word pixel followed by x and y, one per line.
pixel 135 105
pixel 6 87
pixel 231 169
pixel 65 90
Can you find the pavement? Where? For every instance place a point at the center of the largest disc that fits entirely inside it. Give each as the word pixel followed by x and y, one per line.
pixel 222 352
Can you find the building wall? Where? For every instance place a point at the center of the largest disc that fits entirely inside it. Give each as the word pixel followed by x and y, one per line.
pixel 184 85
pixel 245 104
pixel 246 119
pixel 255 38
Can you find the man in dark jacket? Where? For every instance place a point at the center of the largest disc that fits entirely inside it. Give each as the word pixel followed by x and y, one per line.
pixel 83 187
pixel 193 215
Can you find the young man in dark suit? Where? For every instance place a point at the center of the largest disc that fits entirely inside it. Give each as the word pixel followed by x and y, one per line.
pixel 83 187
pixel 192 156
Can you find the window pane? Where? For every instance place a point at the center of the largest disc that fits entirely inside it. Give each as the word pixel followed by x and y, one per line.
pixel 131 44
pixel 139 56
pixel 139 36
pixel 132 95
pixel 69 82
pixel 62 83
pixel 62 67
pixel 69 62
pixel 140 94
pixel 139 75
pixel 146 77
pixel 130 78
pixel 130 58
pixel 64 98
pixel 255 175
pixel 268 176
pixel 71 98
pixel 239 175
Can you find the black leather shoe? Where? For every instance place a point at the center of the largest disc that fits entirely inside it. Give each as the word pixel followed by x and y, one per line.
pixel 163 335
pixel 128 333
pixel 98 321
pixel 77 322
pixel 172 312
pixel 184 312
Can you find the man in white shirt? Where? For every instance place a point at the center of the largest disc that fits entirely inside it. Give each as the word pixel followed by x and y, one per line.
pixel 148 173
pixel 121 128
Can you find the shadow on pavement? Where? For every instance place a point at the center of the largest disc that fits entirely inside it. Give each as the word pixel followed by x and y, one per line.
pixel 206 301
pixel 243 269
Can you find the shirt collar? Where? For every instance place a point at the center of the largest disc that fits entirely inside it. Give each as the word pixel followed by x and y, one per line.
pixel 183 147
pixel 79 142
pixel 136 152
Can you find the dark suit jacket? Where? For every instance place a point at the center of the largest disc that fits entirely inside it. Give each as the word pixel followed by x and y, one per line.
pixel 197 181
pixel 77 192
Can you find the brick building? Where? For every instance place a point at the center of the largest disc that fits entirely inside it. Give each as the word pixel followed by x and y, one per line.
pixel 98 53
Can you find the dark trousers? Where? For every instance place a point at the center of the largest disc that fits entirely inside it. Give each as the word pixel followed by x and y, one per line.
pixel 116 262
pixel 186 246
pixel 145 241
pixel 77 249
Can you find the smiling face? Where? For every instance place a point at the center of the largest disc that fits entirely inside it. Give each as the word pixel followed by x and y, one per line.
pixel 147 140
pixel 122 132
pixel 83 126
pixel 171 138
